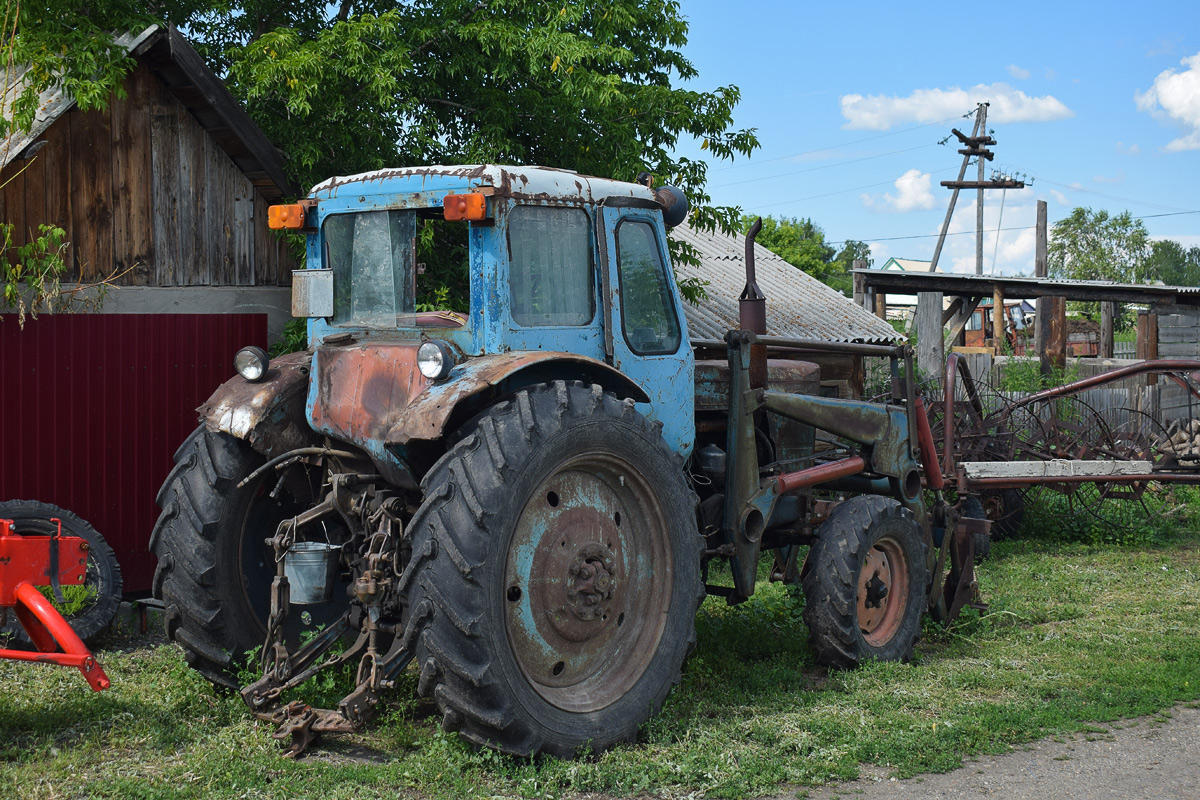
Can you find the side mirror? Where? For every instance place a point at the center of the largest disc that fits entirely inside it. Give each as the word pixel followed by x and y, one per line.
pixel 312 293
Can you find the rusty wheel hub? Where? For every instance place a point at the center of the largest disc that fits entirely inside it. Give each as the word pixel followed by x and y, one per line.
pixel 882 591
pixel 587 583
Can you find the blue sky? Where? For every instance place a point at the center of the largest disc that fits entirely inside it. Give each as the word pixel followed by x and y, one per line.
pixel 1098 102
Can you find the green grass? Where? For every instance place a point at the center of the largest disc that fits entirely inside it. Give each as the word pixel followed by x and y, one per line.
pixel 1077 633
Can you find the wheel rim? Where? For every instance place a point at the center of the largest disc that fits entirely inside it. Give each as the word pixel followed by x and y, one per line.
pixel 882 591
pixel 588 583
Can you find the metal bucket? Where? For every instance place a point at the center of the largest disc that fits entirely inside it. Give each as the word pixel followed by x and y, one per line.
pixel 311 569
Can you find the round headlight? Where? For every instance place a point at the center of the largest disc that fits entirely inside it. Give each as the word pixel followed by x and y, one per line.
pixel 435 360
pixel 251 363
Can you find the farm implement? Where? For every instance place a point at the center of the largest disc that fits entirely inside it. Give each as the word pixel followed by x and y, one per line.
pixel 27 562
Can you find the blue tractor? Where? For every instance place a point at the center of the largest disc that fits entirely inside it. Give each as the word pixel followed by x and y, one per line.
pixel 524 498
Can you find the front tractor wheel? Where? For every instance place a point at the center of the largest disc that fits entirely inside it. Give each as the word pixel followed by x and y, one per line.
pixel 215 568
pixel 865 584
pixel 560 575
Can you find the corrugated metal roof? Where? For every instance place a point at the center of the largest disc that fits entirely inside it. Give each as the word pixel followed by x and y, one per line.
pixel 798 305
pixel 52 103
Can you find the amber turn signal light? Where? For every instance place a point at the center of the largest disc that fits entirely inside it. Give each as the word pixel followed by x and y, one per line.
pixel 285 217
pixel 465 206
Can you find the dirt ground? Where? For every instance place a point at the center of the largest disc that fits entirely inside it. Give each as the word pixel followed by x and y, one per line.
pixel 1151 758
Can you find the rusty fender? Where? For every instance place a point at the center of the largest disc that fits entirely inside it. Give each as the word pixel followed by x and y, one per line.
pixel 471 384
pixel 240 408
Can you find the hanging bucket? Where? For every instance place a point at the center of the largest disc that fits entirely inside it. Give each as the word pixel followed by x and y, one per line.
pixel 311 569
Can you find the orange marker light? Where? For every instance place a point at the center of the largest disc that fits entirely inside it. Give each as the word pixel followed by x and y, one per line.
pixel 289 216
pixel 465 206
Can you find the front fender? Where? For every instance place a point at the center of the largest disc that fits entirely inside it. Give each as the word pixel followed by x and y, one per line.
pixel 473 383
pixel 240 408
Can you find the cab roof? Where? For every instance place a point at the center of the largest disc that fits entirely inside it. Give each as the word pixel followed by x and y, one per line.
pixel 524 183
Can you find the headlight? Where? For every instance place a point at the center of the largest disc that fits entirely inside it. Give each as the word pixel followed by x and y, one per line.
pixel 251 363
pixel 435 360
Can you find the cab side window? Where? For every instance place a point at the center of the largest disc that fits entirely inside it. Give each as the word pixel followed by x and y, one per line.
pixel 647 306
pixel 551 279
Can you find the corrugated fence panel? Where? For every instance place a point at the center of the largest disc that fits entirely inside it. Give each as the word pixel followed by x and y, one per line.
pixel 95 405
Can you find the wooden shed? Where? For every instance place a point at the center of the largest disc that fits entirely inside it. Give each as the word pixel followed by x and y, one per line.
pixel 168 189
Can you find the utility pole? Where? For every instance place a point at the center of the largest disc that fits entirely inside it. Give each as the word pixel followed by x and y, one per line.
pixel 962 172
pixel 976 145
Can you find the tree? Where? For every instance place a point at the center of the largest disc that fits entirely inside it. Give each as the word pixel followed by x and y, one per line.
pixel 1173 264
pixel 801 243
pixel 1090 245
pixel 364 84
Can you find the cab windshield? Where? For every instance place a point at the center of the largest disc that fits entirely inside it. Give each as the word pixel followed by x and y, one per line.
pixel 396 268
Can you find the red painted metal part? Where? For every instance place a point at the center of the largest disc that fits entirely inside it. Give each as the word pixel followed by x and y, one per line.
pixel 25 559
pixel 792 481
pixel 929 462
pixel 103 402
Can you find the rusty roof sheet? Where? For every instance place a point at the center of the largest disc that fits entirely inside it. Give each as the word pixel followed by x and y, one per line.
pixel 798 305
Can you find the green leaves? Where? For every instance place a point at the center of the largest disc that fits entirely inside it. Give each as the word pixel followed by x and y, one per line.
pixel 29 274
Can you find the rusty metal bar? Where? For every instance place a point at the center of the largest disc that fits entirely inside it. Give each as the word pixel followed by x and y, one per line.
pixel 1156 365
pixel 792 481
pixel 954 363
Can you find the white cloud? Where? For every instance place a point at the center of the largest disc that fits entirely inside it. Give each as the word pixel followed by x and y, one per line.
pixel 1018 73
pixel 1118 178
pixel 880 112
pixel 1017 243
pixel 1131 149
pixel 1175 97
pixel 912 194
pixel 1059 197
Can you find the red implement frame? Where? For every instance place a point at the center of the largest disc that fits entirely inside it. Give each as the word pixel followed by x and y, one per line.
pixel 27 562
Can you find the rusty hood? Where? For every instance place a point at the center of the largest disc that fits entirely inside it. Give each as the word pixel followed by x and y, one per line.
pixel 372 394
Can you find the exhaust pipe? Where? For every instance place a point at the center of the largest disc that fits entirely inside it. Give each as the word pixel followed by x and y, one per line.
pixel 752 312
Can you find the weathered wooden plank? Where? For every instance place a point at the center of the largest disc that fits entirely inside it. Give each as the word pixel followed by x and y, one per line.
pixel 1052 469
pixel 266 261
pixel 35 193
pixel 133 251
pixel 13 192
pixel 1179 350
pixel 241 220
pixel 931 354
pixel 219 196
pixel 91 187
pixel 194 268
pixel 164 188
pixel 1178 334
pixel 57 155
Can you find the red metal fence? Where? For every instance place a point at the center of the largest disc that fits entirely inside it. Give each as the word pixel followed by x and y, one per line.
pixel 93 406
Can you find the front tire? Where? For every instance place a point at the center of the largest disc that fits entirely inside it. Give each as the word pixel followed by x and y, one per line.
pixel 561 574
pixel 865 584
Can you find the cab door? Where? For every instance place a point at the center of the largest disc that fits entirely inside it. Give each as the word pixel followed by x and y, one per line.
pixel 645 333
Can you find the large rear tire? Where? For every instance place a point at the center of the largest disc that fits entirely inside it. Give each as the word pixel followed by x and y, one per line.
pixel 865 583
pixel 91 612
pixel 214 568
pixel 560 575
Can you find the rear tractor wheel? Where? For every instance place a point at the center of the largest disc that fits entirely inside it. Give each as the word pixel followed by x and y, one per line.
pixel 560 575
pixel 865 584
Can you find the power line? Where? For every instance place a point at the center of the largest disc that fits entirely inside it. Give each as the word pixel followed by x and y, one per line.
pixel 823 166
pixel 997 230
pixel 846 191
pixel 844 144
pixel 1108 196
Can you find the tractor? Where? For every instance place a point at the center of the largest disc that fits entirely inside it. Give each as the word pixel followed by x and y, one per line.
pixel 528 498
